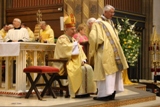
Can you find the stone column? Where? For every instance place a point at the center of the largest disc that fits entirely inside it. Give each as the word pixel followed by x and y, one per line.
pixel 83 9
pixel 78 7
pixel 146 65
pixel 100 7
pixel 68 7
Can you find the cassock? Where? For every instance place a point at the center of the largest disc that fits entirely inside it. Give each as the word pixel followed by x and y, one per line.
pixel 20 34
pixel 80 78
pixel 47 34
pixel 106 72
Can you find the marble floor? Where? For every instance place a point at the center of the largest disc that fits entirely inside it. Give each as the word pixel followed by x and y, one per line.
pixel 129 92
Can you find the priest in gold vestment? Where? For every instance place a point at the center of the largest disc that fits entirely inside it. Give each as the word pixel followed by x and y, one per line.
pixel 4 31
pixel 109 59
pixel 46 33
pixel 80 74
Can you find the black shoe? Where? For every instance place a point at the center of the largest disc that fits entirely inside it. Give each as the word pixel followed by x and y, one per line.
pixel 67 96
pixel 112 97
pixel 101 98
pixel 87 95
pixel 82 96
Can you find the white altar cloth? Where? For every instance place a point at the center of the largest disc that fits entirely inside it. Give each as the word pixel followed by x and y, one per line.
pixel 36 53
pixel 9 48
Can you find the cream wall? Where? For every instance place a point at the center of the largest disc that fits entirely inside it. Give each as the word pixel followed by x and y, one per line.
pixel 156 15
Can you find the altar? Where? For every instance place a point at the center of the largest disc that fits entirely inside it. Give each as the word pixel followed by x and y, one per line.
pixel 24 54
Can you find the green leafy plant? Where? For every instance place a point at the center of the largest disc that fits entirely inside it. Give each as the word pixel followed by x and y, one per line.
pixel 129 41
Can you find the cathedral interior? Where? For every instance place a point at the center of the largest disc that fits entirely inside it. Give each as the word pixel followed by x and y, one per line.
pixel 141 80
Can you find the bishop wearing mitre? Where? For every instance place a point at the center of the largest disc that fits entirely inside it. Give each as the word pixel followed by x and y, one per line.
pixel 80 74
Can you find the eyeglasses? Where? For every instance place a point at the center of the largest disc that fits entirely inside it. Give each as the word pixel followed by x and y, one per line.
pixel 112 13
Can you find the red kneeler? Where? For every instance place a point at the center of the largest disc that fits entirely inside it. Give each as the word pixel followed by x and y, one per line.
pixel 41 71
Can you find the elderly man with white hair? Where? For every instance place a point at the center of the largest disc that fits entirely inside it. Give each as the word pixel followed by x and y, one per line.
pixel 90 21
pixel 109 59
pixel 46 33
pixel 17 34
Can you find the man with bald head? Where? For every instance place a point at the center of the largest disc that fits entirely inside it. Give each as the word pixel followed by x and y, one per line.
pixel 17 34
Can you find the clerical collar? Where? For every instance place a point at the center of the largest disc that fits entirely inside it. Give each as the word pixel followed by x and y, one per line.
pixel 104 18
pixel 17 28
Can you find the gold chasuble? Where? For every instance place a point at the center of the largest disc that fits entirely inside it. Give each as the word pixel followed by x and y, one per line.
pixel 47 34
pixel 63 49
pixel 102 50
pixel 3 33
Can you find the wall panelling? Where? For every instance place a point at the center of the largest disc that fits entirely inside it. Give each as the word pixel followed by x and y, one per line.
pixel 51 14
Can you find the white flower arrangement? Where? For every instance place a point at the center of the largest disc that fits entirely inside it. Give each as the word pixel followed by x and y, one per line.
pixel 129 40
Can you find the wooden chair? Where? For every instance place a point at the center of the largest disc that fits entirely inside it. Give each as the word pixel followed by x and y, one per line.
pixel 58 77
pixel 85 47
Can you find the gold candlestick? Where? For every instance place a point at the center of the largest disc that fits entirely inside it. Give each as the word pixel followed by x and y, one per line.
pixel 39 16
